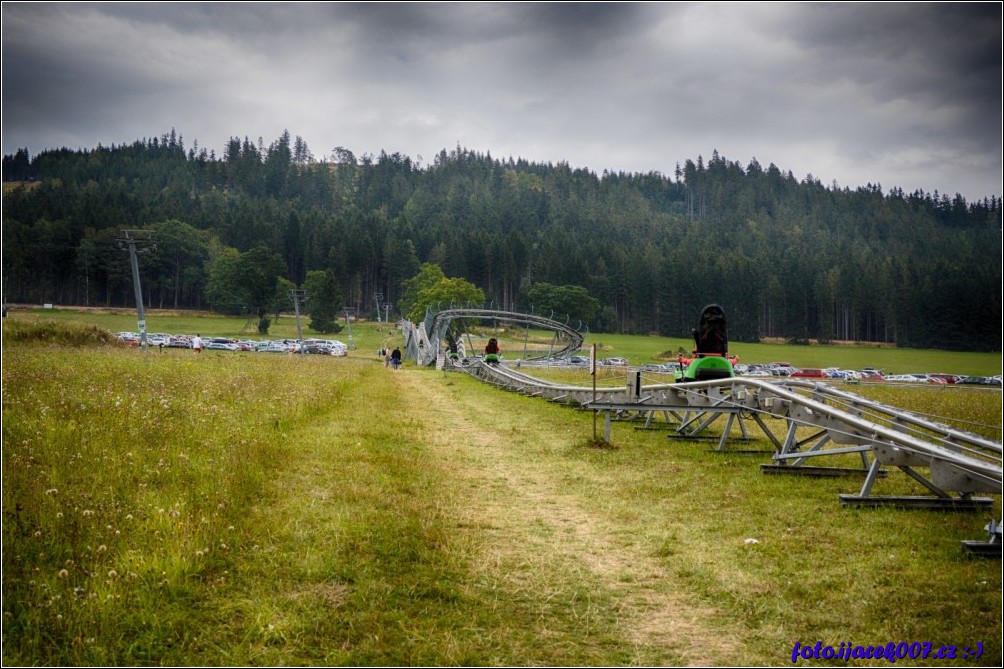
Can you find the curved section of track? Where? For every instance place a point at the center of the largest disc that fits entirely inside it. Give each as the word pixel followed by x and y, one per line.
pixel 436 324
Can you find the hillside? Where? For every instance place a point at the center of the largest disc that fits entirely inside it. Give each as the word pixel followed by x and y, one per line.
pixel 788 259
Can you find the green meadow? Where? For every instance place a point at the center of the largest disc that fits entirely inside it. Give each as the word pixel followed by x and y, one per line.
pixel 173 508
pixel 644 349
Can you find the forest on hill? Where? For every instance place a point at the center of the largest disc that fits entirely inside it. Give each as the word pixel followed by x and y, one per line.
pixel 785 258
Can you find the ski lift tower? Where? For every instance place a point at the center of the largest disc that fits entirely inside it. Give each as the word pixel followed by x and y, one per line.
pixel 297 295
pixel 132 239
pixel 348 325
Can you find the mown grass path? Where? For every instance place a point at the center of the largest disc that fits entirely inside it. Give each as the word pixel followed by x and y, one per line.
pixel 536 538
pixel 430 529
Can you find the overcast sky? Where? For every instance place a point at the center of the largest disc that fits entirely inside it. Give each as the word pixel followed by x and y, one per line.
pixel 904 95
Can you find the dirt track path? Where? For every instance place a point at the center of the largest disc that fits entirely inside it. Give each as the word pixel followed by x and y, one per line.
pixel 534 532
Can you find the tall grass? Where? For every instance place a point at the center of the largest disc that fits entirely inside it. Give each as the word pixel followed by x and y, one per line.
pixel 51 332
pixel 129 482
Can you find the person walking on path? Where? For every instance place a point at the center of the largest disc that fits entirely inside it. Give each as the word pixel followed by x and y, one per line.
pixel 395 358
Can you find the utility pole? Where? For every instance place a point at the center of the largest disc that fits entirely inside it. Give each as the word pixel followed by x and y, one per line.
pixel 297 295
pixel 134 238
pixel 348 325
pixel 376 298
pixel 386 309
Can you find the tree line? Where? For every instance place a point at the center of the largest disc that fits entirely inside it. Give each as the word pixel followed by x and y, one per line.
pixel 641 252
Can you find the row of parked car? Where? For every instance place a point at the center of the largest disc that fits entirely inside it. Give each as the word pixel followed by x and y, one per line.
pixel 783 369
pixel 949 379
pixel 867 374
pixel 312 346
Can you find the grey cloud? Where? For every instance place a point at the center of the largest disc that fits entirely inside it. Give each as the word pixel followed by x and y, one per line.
pixel 904 95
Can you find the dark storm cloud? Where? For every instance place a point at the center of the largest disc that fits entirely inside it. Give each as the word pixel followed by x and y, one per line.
pixel 50 84
pixel 942 54
pixel 922 82
pixel 900 94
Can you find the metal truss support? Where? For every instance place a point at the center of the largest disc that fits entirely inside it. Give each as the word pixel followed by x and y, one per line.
pixel 941 499
pixel 992 546
pixel 949 464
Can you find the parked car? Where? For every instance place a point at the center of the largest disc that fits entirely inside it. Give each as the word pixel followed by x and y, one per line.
pixel 324 347
pixel 808 373
pixel 221 344
pixel 947 378
pixel 906 378
pixel 179 341
pixel 272 346
pixel 329 346
pixel 131 338
pixel 980 381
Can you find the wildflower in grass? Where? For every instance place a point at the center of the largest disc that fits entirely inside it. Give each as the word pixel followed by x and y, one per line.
pixel 63 573
pixel 102 548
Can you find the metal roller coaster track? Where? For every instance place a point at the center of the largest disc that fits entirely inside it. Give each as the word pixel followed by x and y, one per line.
pixel 958 463
pixel 424 344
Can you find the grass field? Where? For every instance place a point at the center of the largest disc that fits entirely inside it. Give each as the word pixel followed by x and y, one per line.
pixel 231 509
pixel 641 350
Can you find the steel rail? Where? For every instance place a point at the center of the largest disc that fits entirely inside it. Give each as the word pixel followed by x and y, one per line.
pixel 779 399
